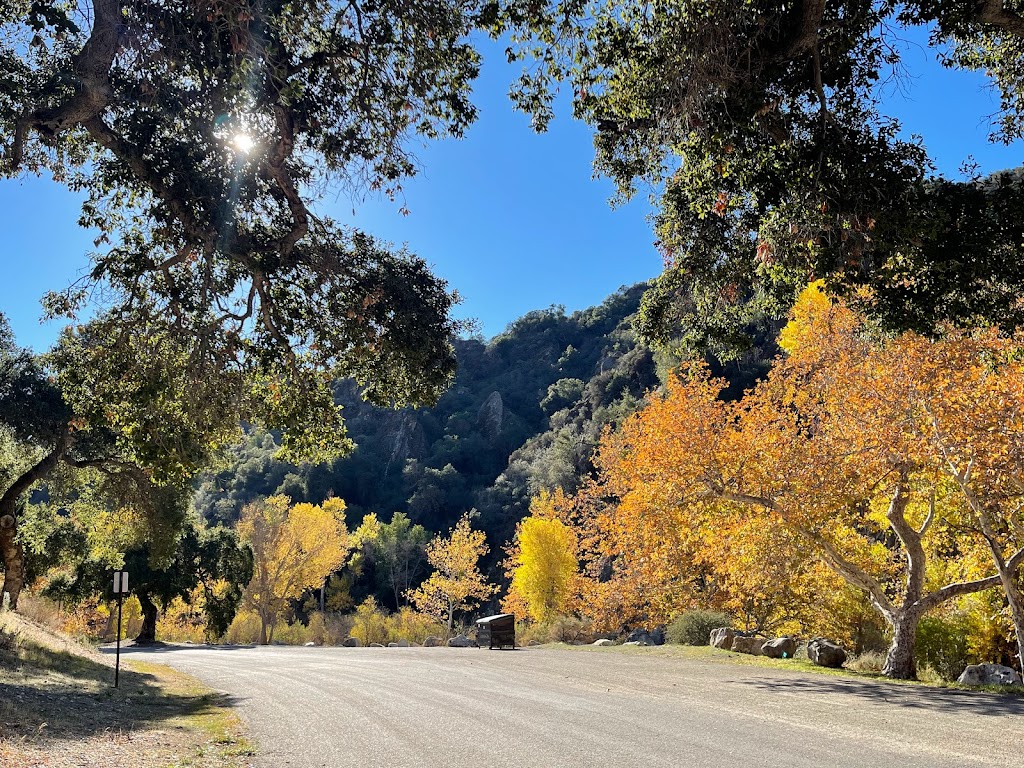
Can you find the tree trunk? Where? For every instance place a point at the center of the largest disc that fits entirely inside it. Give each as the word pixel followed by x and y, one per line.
pixel 900 663
pixel 14 559
pixel 264 624
pixel 1015 600
pixel 149 614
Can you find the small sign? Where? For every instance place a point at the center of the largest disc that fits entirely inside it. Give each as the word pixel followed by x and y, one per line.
pixel 120 582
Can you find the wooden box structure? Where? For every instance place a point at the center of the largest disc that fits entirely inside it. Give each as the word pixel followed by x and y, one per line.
pixel 498 631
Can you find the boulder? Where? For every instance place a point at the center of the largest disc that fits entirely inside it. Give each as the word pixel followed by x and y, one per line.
pixel 375 645
pixel 403 643
pixel 460 641
pixel 989 674
pixel 351 642
pixel 534 643
pixel 603 642
pixel 779 648
pixel 722 637
pixel 392 645
pixel 310 644
pixel 825 653
pixel 637 643
pixel 645 637
pixel 432 642
pixel 751 645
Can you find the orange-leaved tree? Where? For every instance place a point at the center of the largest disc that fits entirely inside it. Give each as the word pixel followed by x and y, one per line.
pixel 542 561
pixel 833 446
pixel 295 548
pixel 456 584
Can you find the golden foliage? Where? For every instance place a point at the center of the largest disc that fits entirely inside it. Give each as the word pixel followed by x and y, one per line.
pixel 456 584
pixel 295 548
pixel 543 562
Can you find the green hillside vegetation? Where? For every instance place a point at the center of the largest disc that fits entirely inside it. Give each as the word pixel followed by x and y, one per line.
pixel 523 416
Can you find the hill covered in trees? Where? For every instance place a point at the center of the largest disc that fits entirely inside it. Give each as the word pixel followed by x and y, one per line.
pixel 523 415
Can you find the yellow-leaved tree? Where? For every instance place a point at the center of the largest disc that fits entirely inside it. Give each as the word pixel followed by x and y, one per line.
pixel 544 563
pixel 456 584
pixel 295 547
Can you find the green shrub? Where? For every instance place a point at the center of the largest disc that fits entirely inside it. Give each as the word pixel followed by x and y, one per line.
pixel 694 627
pixel 943 645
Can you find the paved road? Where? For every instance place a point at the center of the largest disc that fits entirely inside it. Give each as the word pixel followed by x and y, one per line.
pixel 537 708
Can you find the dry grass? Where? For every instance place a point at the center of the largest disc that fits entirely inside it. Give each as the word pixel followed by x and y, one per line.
pixel 58 709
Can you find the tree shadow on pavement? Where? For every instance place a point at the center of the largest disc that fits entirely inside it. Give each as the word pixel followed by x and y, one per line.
pixel 157 648
pixel 948 700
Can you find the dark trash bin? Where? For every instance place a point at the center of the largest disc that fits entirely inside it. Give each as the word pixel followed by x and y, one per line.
pixel 497 631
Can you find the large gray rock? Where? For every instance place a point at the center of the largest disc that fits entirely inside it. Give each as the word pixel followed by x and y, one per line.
pixel 432 642
pixel 392 645
pixel 779 648
pixel 645 637
pixel 989 674
pixel 604 642
pixel 403 643
pixel 825 653
pixel 722 637
pixel 460 641
pixel 310 644
pixel 751 645
pixel 375 645
pixel 351 642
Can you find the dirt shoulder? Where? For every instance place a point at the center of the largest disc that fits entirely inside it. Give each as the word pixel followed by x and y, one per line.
pixel 58 708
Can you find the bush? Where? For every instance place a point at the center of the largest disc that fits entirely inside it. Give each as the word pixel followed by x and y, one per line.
pixel 869 661
pixel 569 629
pixel 694 627
pixel 942 644
pixel 409 624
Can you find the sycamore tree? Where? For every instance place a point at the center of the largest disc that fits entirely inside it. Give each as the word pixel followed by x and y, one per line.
pixel 760 125
pixel 872 452
pixel 456 585
pixel 295 548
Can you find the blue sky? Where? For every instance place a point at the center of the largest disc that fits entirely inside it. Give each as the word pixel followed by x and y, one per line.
pixel 513 220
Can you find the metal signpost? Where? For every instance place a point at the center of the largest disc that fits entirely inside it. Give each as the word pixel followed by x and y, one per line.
pixel 120 588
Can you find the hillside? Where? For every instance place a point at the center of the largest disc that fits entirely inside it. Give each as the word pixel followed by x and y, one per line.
pixel 523 415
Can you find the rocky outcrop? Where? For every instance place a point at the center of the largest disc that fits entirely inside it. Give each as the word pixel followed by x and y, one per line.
pixel 491 415
pixel 825 653
pixel 351 642
pixel 989 674
pixel 779 648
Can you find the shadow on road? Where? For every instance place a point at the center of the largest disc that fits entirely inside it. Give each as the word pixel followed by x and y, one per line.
pixel 894 694
pixel 152 648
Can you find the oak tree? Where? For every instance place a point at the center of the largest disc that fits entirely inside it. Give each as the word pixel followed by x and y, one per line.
pixel 761 127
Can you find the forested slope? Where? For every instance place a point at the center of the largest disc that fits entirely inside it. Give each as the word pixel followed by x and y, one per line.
pixel 524 414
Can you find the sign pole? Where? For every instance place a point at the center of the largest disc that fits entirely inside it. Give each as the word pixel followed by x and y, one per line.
pixel 117 662
pixel 120 587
